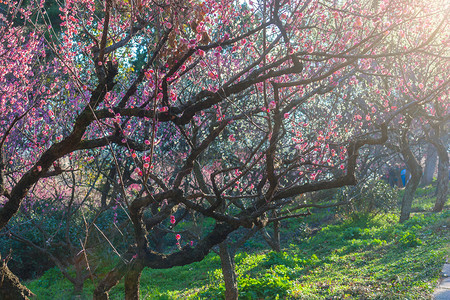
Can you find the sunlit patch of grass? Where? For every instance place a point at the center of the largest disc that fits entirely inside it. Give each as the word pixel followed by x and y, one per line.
pixel 355 258
pixel 366 258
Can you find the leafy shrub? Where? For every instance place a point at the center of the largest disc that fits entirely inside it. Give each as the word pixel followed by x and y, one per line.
pixel 278 258
pixel 240 257
pixel 289 260
pixel 366 244
pixel 419 220
pixel 368 197
pixel 311 262
pixel 27 262
pixel 410 240
pixel 351 233
pixel 268 287
pixel 213 292
pixel 273 285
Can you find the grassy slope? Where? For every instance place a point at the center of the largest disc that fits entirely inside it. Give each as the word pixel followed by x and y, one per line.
pixel 351 259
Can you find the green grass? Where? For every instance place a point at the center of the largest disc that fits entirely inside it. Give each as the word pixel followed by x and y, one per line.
pixel 174 283
pixel 360 258
pixel 363 259
pixel 424 198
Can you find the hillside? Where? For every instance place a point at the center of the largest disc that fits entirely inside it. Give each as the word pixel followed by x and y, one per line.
pixel 352 258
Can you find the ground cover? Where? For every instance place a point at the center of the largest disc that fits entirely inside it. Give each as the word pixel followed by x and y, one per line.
pixel 352 258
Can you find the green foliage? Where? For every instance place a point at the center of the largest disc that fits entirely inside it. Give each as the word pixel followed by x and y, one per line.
pixel 355 258
pixel 50 233
pixel 278 258
pixel 409 239
pixel 267 287
pixel 351 232
pixel 369 197
pixel 27 262
pixel 53 285
pixel 287 259
pixel 270 286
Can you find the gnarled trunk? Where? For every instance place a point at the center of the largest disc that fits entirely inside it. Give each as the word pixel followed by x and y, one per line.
pixel 78 288
pixel 78 280
pixel 228 271
pixel 430 165
pixel 276 236
pixel 443 178
pixel 132 282
pixel 111 280
pixel 10 286
pixel 274 240
pixel 411 187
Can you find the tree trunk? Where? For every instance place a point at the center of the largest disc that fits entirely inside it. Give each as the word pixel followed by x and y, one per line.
pixel 10 286
pixel 273 241
pixel 78 282
pixel 430 165
pixel 107 283
pixel 276 236
pixel 132 282
pixel 78 289
pixel 228 271
pixel 411 187
pixel 107 186
pixel 443 178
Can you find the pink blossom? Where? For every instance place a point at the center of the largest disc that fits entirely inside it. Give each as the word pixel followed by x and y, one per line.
pixel 212 75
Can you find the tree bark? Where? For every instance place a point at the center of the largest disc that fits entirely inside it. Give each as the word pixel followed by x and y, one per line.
pixel 107 186
pixel 411 187
pixel 228 271
pixel 273 241
pixel 10 286
pixel 132 282
pixel 443 178
pixel 112 279
pixel 430 165
pixel 78 280
pixel 78 288
pixel 276 236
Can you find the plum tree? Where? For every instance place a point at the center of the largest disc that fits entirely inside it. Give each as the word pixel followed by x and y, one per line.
pixel 215 105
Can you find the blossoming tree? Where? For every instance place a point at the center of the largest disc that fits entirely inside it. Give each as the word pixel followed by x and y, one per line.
pixel 213 102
